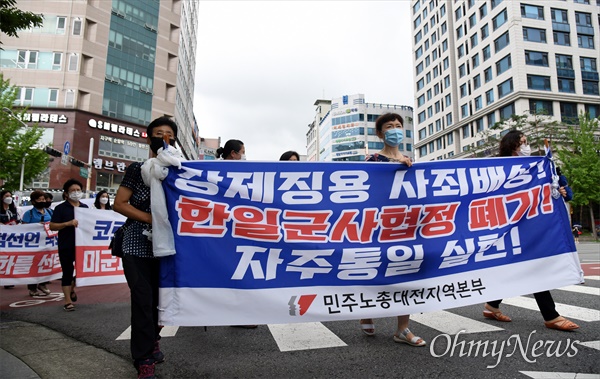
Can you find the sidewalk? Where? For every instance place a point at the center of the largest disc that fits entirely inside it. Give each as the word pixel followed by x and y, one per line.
pixel 30 351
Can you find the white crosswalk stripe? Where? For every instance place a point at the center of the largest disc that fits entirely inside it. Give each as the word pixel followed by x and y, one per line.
pixel 558 375
pixel 592 344
pixel 565 310
pixel 592 277
pixel 304 336
pixel 582 289
pixel 450 323
pixel 167 331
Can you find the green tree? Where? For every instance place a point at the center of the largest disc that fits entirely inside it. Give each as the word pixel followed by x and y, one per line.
pixel 12 19
pixel 581 163
pixel 18 142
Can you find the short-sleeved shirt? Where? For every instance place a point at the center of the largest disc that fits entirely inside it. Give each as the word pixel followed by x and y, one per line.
pixel 9 217
pixel 134 242
pixel 65 212
pixel 34 216
pixel 380 158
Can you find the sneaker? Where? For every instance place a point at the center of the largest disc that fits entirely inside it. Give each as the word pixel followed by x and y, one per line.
pixel 34 293
pixel 44 289
pixel 158 355
pixel 145 369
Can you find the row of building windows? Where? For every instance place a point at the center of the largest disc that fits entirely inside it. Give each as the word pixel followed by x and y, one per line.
pixel 37 60
pixel 43 97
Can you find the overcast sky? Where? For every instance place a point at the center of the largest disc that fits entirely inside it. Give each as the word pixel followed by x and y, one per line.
pixel 261 65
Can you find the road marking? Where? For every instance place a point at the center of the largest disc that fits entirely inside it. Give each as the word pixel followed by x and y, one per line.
pixel 304 336
pixel 568 311
pixel 167 331
pixel 558 375
pixel 451 323
pixel 582 289
pixel 592 277
pixel 592 344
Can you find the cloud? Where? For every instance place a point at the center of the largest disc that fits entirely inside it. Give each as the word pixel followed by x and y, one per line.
pixel 261 65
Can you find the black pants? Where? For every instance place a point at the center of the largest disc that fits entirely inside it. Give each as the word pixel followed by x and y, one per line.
pixel 544 301
pixel 142 276
pixel 67 264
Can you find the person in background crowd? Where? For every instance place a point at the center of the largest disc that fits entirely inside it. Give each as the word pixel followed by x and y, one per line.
pixel 140 266
pixel 8 211
pixel 289 156
pixel 37 214
pixel 514 143
pixel 564 184
pixel 102 201
pixel 234 150
pixel 576 233
pixel 48 197
pixel 388 127
pixel 63 220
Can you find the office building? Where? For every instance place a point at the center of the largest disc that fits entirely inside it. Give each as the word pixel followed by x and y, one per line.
pixel 344 129
pixel 94 76
pixel 479 62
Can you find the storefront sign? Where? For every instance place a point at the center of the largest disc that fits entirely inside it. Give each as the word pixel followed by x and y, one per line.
pixel 115 128
pixel 105 164
pixel 45 117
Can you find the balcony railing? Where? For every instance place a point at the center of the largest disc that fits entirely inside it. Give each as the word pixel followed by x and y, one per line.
pixel 589 75
pixel 565 73
pixel 560 27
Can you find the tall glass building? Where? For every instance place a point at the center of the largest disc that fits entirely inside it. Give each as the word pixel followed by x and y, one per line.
pixel 479 62
pixel 96 73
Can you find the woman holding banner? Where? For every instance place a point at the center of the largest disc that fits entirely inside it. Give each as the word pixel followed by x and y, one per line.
pixel 514 143
pixel 63 220
pixel 139 264
pixel 38 214
pixel 389 128
pixel 233 150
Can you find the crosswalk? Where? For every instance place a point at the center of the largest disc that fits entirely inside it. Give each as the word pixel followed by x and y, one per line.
pixel 306 336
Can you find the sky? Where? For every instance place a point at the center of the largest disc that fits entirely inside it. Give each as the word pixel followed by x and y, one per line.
pixel 261 65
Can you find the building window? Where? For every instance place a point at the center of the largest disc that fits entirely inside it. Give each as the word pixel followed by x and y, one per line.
pixel 487 74
pixel 505 88
pixel 446 63
pixel 584 41
pixel 420 84
pixel 507 111
pixel 532 11
pixel 503 65
pixel 458 13
pixel 588 64
pixel 566 85
pixel 430 127
pixel 485 32
pixel 534 35
pixel 443 10
pixel 419 52
pixel 582 1
pixel 61 23
pixel 538 82
pixel 444 28
pixel 479 125
pixel 592 110
pixel 564 62
pixel 450 138
pixel 461 70
pixel 25 96
pixel 420 100
pixel 475 60
pixel 73 61
pixel 464 110
pixel 474 40
pixel 466 131
pixel 417 21
pixel 27 59
pixel 476 81
pixel 478 103
pixel 559 16
pixel 463 90
pixel 542 107
pixel 447 82
pixel 459 32
pixel 472 20
pixel 70 99
pixel 486 53
pixel 422 134
pixel 422 151
pixel 418 37
pixel 501 42
pixel 421 117
pixel 500 19
pixel 419 68
pixel 436 72
pixel 562 38
pixel 430 114
pixel 449 119
pixel 56 61
pixel 583 19
pixel 438 125
pixel 495 3
pixel 590 88
pixel 428 77
pixel 438 108
pixel 416 7
pixel 427 61
pixel 461 51
pixel 445 45
pixel 536 58
pixel 448 100
pixel 53 97
pixel 568 113
pixel 489 97
pixel 77 26
pixel 482 11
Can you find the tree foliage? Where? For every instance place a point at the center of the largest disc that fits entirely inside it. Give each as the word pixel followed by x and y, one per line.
pixel 12 19
pixel 581 162
pixel 17 142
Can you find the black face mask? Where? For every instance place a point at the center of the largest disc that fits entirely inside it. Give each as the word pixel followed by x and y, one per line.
pixel 48 204
pixel 157 143
pixel 39 205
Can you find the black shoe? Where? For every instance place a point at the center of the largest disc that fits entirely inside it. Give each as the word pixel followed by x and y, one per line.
pixel 158 355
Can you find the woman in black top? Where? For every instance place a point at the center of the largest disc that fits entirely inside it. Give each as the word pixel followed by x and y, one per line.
pixel 102 201
pixel 140 266
pixel 8 210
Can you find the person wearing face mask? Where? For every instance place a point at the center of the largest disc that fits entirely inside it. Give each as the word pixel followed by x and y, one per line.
pixel 289 156
pixel 141 267
pixel 233 150
pixel 63 220
pixel 8 210
pixel 513 144
pixel 102 201
pixel 37 214
pixel 389 128
pixel 48 197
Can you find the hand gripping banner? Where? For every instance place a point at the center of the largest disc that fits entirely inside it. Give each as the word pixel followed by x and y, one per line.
pixel 283 242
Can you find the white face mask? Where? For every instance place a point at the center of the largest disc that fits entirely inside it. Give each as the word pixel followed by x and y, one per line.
pixel 8 200
pixel 524 151
pixel 103 200
pixel 76 195
pixel 243 157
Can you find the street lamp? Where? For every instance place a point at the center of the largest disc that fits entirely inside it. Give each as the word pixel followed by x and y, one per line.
pixel 11 114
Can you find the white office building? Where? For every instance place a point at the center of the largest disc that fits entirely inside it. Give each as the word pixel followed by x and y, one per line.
pixel 479 62
pixel 344 129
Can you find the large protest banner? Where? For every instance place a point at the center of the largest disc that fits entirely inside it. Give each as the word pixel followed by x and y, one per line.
pixel 28 254
pixel 94 262
pixel 282 242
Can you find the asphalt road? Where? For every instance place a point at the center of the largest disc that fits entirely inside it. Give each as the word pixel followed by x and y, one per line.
pixel 513 349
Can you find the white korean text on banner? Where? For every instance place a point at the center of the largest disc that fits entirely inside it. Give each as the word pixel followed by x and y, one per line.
pixel 94 262
pixel 283 242
pixel 28 254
